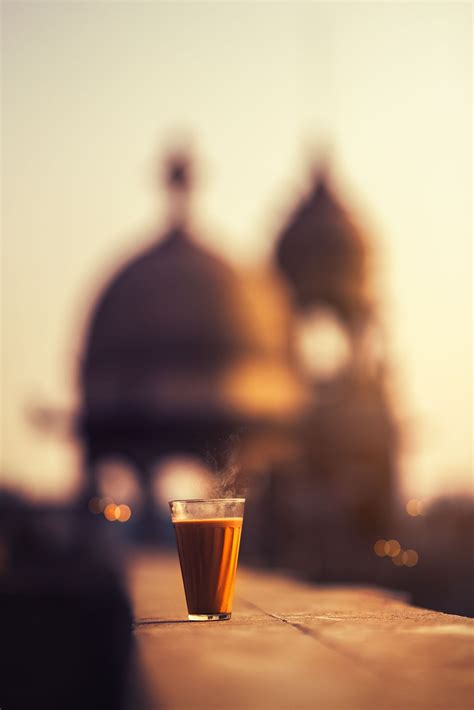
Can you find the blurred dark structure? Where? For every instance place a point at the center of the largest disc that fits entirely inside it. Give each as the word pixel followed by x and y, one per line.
pixel 65 619
pixel 182 351
pixel 348 442
pixel 173 350
pixel 444 538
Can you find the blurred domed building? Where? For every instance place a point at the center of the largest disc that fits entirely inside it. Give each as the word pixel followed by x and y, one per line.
pixel 348 440
pixel 324 256
pixel 181 352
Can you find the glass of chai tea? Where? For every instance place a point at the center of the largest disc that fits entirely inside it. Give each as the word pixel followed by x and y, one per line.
pixel 208 537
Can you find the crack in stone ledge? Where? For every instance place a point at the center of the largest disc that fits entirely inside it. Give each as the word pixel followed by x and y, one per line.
pixel 318 636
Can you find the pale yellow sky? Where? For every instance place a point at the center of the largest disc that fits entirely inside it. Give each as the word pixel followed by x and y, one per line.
pixel 90 89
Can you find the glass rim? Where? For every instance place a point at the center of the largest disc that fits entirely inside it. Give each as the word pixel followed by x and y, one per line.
pixel 207 500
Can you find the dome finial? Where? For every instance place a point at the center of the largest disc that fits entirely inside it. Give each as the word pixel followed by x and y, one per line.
pixel 177 174
pixel 320 168
pixel 179 171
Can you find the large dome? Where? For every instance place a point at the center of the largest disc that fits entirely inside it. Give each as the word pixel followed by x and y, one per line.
pixel 324 255
pixel 170 329
pixel 173 297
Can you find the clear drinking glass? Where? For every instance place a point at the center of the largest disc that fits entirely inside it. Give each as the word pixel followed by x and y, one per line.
pixel 208 537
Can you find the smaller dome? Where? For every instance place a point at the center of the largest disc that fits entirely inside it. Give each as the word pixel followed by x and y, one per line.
pixel 324 256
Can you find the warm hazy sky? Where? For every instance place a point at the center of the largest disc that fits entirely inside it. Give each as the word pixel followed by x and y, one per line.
pixel 91 88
